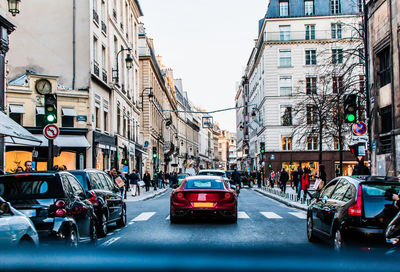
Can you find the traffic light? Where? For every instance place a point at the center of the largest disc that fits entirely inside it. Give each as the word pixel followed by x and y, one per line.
pixel 50 108
pixel 350 108
pixel 154 152
pixel 262 147
pixel 270 166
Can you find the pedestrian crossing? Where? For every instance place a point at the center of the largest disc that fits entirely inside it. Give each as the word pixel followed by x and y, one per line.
pixel 145 216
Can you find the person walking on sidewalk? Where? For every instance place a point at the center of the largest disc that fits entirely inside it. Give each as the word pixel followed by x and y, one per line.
pixel 299 175
pixel 295 179
pixel 305 182
pixel 147 180
pixel 133 182
pixel 272 178
pixel 284 177
pixel 322 179
pixel 155 181
pixel 259 179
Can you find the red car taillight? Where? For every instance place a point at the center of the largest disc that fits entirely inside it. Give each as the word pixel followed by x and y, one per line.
pixel 356 208
pixel 61 212
pixel 93 198
pixel 179 195
pixel 60 203
pixel 227 195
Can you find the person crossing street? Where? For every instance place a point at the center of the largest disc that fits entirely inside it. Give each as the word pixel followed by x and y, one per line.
pixel 283 179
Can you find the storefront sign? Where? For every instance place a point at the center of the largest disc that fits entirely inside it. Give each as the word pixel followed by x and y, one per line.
pixel 81 118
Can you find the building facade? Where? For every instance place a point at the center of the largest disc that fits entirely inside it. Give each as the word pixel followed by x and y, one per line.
pixel 384 82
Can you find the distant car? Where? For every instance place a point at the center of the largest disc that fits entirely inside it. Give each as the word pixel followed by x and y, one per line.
pixel 352 207
pixel 181 178
pixel 215 173
pixel 203 196
pixel 15 227
pixel 108 204
pixel 55 202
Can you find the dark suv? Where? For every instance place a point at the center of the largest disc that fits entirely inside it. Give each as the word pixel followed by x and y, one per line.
pixel 55 202
pixel 352 207
pixel 105 197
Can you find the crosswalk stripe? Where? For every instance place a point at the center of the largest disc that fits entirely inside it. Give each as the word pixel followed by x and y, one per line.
pixel 299 215
pixel 144 216
pixel 243 215
pixel 167 218
pixel 271 215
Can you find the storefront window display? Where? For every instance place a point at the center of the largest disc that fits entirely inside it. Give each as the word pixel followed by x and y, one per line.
pixel 15 159
pixel 291 166
pixel 348 167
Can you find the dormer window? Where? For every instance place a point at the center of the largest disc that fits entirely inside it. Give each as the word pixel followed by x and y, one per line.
pixel 283 8
pixel 308 8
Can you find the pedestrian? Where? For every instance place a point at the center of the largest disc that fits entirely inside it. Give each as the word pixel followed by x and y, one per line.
pixel 361 169
pixel 259 179
pixel 155 180
pixel 161 180
pixel 118 180
pixel 236 177
pixel 300 172
pixel 320 181
pixel 28 166
pixel 19 169
pixel 284 177
pixel 272 178
pixel 295 179
pixel 277 177
pixel 133 182
pixel 305 182
pixel 147 180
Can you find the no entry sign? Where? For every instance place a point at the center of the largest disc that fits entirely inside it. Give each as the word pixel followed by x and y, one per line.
pixel 51 131
pixel 359 128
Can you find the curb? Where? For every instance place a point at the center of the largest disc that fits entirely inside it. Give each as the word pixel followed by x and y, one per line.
pixel 159 192
pixel 280 199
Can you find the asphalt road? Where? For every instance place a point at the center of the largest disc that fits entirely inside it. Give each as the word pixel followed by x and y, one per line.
pixel 262 223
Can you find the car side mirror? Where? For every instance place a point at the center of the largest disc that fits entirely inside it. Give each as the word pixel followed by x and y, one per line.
pixel 5 208
pixel 233 187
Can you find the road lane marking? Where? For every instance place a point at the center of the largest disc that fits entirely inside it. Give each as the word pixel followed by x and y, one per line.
pixel 130 223
pixel 167 218
pixel 109 242
pixel 144 216
pixel 271 215
pixel 299 215
pixel 110 233
pixel 243 215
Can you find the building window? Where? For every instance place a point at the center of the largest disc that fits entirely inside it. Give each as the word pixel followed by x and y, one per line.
pixel 286 143
pixel 337 84
pixel 285 57
pixel 337 56
pixel 310 32
pixel 118 120
pixel 95 49
pixel 384 68
pixel 283 9
pixel 336 31
pixel 286 115
pixel 312 143
pixel 284 33
pixel 311 115
pixel 311 57
pixel 67 118
pixel 336 143
pixel 97 116
pixel 336 7
pixel 285 83
pixel 17 113
pixel 311 85
pixel 386 119
pixel 308 8
pixel 103 57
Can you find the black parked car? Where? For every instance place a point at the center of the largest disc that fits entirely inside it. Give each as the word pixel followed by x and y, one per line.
pixel 56 204
pixel 105 197
pixel 352 207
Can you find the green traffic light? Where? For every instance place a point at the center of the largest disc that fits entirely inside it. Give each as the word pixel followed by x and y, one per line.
pixel 50 118
pixel 351 117
pixel 154 155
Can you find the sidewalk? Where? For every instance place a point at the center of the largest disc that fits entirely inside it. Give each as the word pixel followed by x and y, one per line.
pixel 289 199
pixel 145 195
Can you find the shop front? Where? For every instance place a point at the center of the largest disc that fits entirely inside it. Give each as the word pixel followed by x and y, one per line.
pixel 292 160
pixel 104 151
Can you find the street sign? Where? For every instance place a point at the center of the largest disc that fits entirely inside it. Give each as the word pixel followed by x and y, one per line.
pixel 272 157
pixel 361 150
pixel 374 145
pixel 359 128
pixel 359 139
pixel 51 131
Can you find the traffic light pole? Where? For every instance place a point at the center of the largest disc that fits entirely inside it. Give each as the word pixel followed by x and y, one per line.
pixel 50 155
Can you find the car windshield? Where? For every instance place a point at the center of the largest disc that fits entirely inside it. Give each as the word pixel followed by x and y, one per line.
pixel 204 184
pixel 30 187
pixel 211 173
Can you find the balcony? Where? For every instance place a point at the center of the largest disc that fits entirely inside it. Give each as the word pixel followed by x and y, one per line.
pixel 300 36
pixel 121 26
pixel 105 76
pixel 115 14
pixel 103 27
pixel 95 17
pixel 123 88
pixel 96 69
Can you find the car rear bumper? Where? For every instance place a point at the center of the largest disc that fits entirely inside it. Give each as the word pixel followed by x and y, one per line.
pixel 204 213
pixel 366 231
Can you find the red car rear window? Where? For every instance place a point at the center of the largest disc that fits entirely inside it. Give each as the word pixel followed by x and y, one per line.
pixel 204 184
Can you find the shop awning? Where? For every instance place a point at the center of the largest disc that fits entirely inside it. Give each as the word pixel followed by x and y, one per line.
pixel 12 131
pixel 16 108
pixel 68 112
pixel 67 141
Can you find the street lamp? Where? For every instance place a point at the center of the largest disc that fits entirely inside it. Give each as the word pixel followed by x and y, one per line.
pixel 150 95
pixel 128 63
pixel 13 6
pixel 253 115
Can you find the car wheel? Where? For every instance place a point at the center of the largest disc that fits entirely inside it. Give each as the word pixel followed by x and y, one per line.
pixel 26 242
pixel 310 230
pixel 338 242
pixel 173 219
pixel 93 234
pixel 122 221
pixel 72 238
pixel 102 226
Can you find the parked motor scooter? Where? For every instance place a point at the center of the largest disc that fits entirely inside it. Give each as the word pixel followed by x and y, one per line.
pixel 392 235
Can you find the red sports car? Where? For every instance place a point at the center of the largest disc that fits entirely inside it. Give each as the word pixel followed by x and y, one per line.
pixel 203 196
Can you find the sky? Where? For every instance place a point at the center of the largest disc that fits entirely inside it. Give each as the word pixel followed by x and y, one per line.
pixel 207 43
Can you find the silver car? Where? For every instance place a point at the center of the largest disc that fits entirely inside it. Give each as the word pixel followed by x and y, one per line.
pixel 15 228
